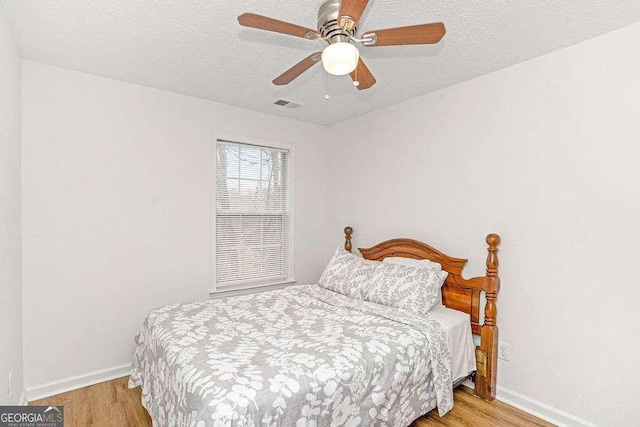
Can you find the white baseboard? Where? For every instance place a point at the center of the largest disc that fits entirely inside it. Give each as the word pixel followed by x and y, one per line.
pixel 540 410
pixel 23 399
pixel 536 408
pixel 72 383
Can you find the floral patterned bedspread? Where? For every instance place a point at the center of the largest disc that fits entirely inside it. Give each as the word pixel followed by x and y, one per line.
pixel 301 356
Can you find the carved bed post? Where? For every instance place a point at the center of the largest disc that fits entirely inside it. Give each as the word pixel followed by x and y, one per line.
pixel 347 238
pixel 487 351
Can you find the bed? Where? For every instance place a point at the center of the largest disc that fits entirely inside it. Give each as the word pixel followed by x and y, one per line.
pixel 307 356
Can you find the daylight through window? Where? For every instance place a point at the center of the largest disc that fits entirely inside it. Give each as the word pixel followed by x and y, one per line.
pixel 251 222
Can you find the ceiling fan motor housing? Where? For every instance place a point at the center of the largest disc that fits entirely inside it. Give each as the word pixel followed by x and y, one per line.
pixel 328 24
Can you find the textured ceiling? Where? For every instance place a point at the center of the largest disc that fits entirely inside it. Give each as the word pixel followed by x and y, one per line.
pixel 196 47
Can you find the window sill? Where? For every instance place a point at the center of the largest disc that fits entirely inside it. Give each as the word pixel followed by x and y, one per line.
pixel 252 289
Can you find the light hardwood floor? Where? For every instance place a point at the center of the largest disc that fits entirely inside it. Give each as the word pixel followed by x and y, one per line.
pixel 112 404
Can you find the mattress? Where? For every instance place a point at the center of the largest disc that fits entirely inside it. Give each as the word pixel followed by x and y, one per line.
pixel 457 327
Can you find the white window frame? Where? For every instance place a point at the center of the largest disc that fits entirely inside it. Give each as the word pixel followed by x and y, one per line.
pixel 253 287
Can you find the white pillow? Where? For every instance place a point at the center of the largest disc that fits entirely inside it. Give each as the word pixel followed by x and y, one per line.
pixel 418 263
pixel 346 273
pixel 407 288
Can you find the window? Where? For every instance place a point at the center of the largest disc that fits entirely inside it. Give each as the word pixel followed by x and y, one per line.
pixel 252 217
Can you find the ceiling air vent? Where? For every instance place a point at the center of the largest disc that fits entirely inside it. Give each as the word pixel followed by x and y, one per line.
pixel 287 104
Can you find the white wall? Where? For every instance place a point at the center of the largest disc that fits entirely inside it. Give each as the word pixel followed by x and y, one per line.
pixel 116 210
pixel 10 249
pixel 547 154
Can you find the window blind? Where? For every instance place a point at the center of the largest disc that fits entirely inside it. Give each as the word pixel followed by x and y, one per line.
pixel 251 243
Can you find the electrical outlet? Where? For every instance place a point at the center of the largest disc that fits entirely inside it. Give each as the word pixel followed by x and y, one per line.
pixel 504 351
pixel 10 384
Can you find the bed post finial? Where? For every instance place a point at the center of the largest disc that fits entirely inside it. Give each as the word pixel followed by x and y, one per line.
pixel 492 286
pixel 487 351
pixel 493 240
pixel 347 238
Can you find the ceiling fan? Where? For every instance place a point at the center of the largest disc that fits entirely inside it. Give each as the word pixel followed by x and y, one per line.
pixel 337 25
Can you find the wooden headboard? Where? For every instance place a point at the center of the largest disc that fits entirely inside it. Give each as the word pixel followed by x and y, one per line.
pixel 457 293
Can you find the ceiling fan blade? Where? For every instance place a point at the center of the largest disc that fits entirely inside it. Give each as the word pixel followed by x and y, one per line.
pixel 352 9
pixel 363 76
pixel 292 73
pixel 415 34
pixel 264 23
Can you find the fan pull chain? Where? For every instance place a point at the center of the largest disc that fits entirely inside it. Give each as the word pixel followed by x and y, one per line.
pixel 356 82
pixel 326 86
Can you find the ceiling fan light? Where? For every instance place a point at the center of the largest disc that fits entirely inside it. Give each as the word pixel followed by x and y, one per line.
pixel 340 58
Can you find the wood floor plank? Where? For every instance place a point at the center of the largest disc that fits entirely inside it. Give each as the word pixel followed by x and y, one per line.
pixel 469 410
pixel 112 403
